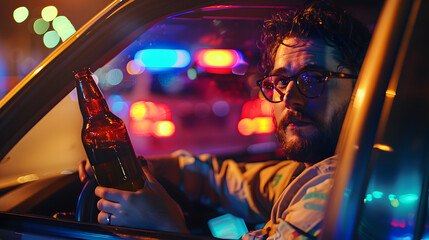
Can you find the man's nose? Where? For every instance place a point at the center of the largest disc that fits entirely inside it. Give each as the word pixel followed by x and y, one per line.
pixel 293 97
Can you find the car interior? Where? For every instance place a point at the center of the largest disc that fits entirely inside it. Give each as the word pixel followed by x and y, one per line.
pixel 162 77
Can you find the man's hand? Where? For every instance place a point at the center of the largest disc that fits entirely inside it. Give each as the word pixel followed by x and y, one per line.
pixel 149 208
pixel 85 171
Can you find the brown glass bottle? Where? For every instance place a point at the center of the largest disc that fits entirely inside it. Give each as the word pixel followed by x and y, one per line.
pixel 105 138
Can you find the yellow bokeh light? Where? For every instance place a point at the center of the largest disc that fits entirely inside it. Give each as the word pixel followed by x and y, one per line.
pixel 218 58
pixel 263 125
pixel 49 13
pixel 138 110
pixel 164 129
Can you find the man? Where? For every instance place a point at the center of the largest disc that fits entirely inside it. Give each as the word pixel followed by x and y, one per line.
pixel 313 57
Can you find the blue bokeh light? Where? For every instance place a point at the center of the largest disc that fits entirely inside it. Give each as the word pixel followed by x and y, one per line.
pixel 118 105
pixel 161 59
pixel 220 108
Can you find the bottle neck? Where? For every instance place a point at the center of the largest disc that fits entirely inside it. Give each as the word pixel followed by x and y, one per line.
pixel 91 100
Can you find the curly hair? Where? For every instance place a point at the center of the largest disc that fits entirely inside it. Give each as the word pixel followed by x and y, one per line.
pixel 319 19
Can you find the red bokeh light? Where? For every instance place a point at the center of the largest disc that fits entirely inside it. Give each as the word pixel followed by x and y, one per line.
pixel 256 118
pixel 151 119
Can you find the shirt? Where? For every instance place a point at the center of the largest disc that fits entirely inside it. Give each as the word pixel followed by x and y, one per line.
pixel 283 193
pixel 299 211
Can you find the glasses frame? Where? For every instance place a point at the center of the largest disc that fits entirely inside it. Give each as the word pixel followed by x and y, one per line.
pixel 294 78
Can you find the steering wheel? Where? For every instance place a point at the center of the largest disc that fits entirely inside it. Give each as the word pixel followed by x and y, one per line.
pixel 86 209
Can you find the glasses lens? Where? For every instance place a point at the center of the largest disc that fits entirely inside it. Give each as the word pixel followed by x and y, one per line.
pixel 311 84
pixel 267 87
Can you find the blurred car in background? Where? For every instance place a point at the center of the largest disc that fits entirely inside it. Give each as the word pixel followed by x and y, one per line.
pixel 181 74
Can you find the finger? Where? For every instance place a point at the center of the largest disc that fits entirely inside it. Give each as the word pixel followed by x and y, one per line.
pixel 111 194
pixel 108 206
pixel 103 218
pixel 82 172
pixel 88 169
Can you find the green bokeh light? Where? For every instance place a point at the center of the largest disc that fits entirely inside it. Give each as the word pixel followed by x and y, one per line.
pixel 114 77
pixel 394 203
pixel 40 26
pixel 20 14
pixel 64 27
pixel 51 39
pixel 192 73
pixel 49 13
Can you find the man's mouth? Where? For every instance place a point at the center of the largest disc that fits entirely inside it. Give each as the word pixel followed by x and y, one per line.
pixel 299 123
pixel 295 119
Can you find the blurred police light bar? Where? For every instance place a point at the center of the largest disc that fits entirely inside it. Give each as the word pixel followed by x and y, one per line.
pixel 163 59
pixel 220 61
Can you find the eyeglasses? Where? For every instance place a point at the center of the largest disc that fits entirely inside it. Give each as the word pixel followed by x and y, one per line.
pixel 310 84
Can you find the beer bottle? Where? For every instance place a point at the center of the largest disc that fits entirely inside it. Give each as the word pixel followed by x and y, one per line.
pixel 105 138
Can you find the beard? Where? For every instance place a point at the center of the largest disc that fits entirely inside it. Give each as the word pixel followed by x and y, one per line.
pixel 315 148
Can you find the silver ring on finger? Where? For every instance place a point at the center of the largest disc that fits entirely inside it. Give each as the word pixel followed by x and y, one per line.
pixel 109 218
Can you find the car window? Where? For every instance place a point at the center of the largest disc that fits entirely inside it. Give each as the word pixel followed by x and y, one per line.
pixel 174 90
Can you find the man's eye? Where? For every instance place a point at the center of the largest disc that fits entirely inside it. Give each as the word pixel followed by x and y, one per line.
pixel 267 84
pixel 282 83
